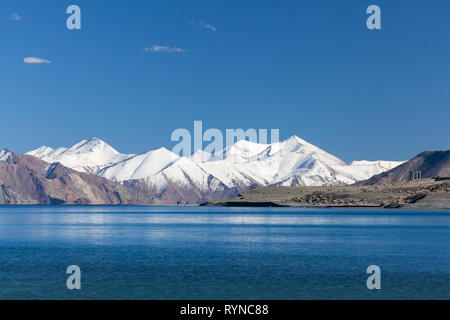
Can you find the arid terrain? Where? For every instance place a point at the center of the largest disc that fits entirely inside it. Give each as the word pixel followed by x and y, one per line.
pixel 418 194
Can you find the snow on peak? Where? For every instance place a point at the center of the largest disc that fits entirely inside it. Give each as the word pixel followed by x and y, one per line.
pixel 46 152
pixel 85 156
pixel 140 166
pixel 93 145
pixel 287 162
pixel 241 151
pixel 296 139
pixel 40 152
pixel 294 144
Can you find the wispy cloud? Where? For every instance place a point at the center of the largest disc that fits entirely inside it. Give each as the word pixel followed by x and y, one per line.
pixel 15 17
pixel 34 60
pixel 156 48
pixel 204 25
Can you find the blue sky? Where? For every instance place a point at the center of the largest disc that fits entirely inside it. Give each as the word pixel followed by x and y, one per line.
pixel 309 68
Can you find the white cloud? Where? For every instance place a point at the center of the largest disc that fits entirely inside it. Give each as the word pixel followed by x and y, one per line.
pixel 204 25
pixel 34 60
pixel 15 17
pixel 156 48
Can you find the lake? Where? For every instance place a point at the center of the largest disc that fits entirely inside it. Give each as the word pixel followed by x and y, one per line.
pixel 222 253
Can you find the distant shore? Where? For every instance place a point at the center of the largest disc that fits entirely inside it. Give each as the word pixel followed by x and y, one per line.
pixel 424 194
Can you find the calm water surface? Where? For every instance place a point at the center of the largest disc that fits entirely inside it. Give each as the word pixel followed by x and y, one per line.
pixel 222 253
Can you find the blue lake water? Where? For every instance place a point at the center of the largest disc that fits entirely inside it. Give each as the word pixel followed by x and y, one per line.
pixel 222 253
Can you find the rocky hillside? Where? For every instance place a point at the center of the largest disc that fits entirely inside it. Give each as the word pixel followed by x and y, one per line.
pixel 26 179
pixel 430 163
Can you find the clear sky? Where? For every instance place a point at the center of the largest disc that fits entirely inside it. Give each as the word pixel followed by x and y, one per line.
pixel 309 68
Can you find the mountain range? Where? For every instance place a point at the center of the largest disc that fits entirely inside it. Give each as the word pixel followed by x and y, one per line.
pixel 167 178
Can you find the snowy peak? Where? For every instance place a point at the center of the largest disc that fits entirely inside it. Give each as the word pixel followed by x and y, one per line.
pixel 241 151
pixel 295 140
pixel 40 152
pixel 85 156
pixel 292 144
pixel 297 145
pixel 45 151
pixel 140 166
pixel 93 145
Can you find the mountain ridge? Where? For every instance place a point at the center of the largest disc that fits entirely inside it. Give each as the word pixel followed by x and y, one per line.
pixel 203 176
pixel 85 156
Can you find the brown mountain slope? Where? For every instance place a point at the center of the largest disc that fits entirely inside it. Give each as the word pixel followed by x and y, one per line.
pixel 430 163
pixel 9 196
pixel 26 179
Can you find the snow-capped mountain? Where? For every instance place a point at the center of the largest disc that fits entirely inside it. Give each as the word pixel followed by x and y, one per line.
pixel 288 163
pixel 88 156
pixel 202 176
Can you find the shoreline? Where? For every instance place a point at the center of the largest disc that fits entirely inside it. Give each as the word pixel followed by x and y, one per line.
pixel 322 207
pixel 424 194
pixel 231 204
